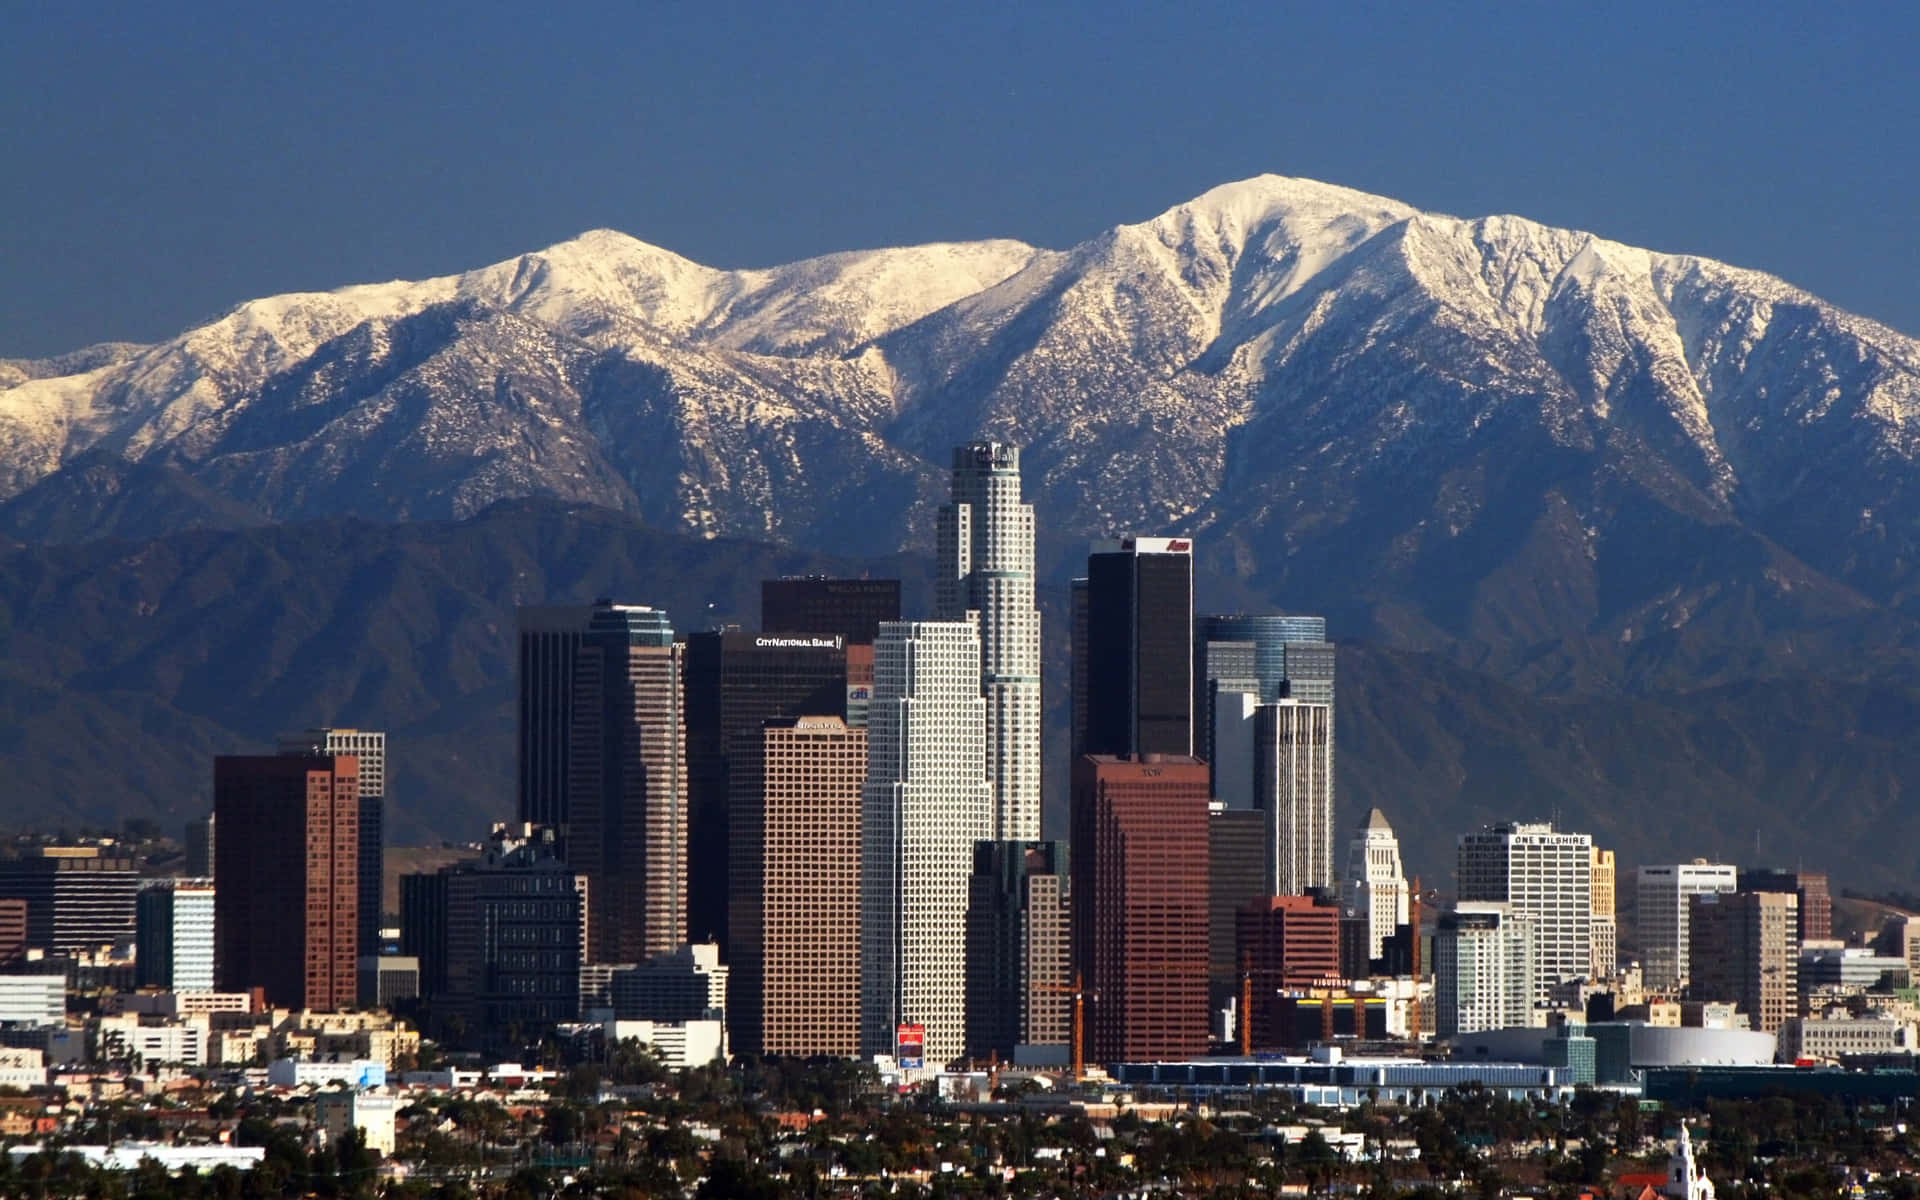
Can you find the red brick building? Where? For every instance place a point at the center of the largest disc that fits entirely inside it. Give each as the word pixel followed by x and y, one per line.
pixel 1140 887
pixel 286 912
pixel 1285 942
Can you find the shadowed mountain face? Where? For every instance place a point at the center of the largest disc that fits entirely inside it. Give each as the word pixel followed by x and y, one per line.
pixel 128 665
pixel 1594 478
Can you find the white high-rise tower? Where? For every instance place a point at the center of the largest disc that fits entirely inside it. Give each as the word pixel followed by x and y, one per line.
pixel 1293 782
pixel 1665 895
pixel 925 804
pixel 1376 883
pixel 1544 875
pixel 984 552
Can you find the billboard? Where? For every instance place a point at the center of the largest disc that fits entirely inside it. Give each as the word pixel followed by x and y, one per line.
pixel 910 1046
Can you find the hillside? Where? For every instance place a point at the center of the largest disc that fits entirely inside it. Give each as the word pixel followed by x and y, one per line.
pixel 129 664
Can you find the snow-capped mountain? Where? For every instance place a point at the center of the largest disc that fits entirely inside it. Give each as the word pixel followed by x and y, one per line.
pixel 1516 442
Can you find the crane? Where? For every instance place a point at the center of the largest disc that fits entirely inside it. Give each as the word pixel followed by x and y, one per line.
pixel 1080 994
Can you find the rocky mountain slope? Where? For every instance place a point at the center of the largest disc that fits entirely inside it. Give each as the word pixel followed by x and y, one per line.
pixel 1651 519
pixel 1531 449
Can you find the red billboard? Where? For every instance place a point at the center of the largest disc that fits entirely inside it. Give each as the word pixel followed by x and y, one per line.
pixel 910 1045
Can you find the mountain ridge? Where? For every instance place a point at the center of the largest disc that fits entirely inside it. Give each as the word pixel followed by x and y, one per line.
pixel 127 664
pixel 1587 473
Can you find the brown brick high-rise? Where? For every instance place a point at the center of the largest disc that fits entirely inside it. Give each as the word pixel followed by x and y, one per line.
pixel 287 907
pixel 794 876
pixel 1140 871
pixel 1744 947
pixel 1816 899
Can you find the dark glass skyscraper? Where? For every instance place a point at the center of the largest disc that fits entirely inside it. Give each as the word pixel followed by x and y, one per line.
pixel 1017 947
pixel 1139 649
pixel 550 638
pixel 627 786
pixel 851 608
pixel 287 900
pixel 736 683
pixel 602 737
pixel 1283 656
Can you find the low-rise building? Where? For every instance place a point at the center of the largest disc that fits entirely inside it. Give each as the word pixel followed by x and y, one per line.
pixel 23 1068
pixel 679 1044
pixel 371 1113
pixel 1622 1050
pixel 179 1003
pixel 355 1073
pixel 33 999
pixel 1327 1078
pixel 141 1041
pixel 1837 1034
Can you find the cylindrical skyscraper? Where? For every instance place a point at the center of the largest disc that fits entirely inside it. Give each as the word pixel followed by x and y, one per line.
pixel 985 564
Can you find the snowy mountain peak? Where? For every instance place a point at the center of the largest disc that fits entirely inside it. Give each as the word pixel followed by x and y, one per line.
pixel 1274 361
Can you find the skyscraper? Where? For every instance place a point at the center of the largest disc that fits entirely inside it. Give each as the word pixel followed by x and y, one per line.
pixel 1293 784
pixel 1139 648
pixel 549 644
pixel 1017 947
pixel 78 899
pixel 736 683
pixel 1277 655
pixel 370 747
pixel 200 847
pixel 173 946
pixel 1077 698
pixel 1544 876
pixel 794 879
pixel 287 904
pixel 1238 844
pixel 984 552
pixel 1285 942
pixel 1744 947
pixel 1664 897
pixel 1483 969
pixel 1376 882
pixel 1140 901
pixel 1816 898
pixel 515 927
pixel 423 928
pixel 626 827
pixel 850 608
pixel 1606 944
pixel 925 803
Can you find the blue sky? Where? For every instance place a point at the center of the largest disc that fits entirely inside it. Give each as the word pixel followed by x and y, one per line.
pixel 159 164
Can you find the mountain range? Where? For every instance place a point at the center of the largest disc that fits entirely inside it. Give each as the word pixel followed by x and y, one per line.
pixel 1523 470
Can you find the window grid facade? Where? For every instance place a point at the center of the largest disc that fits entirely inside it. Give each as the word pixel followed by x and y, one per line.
pixel 925 803
pixel 1293 783
pixel 794 883
pixel 984 549
pixel 1665 895
pixel 1544 876
pixel 1140 904
pixel 1483 969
